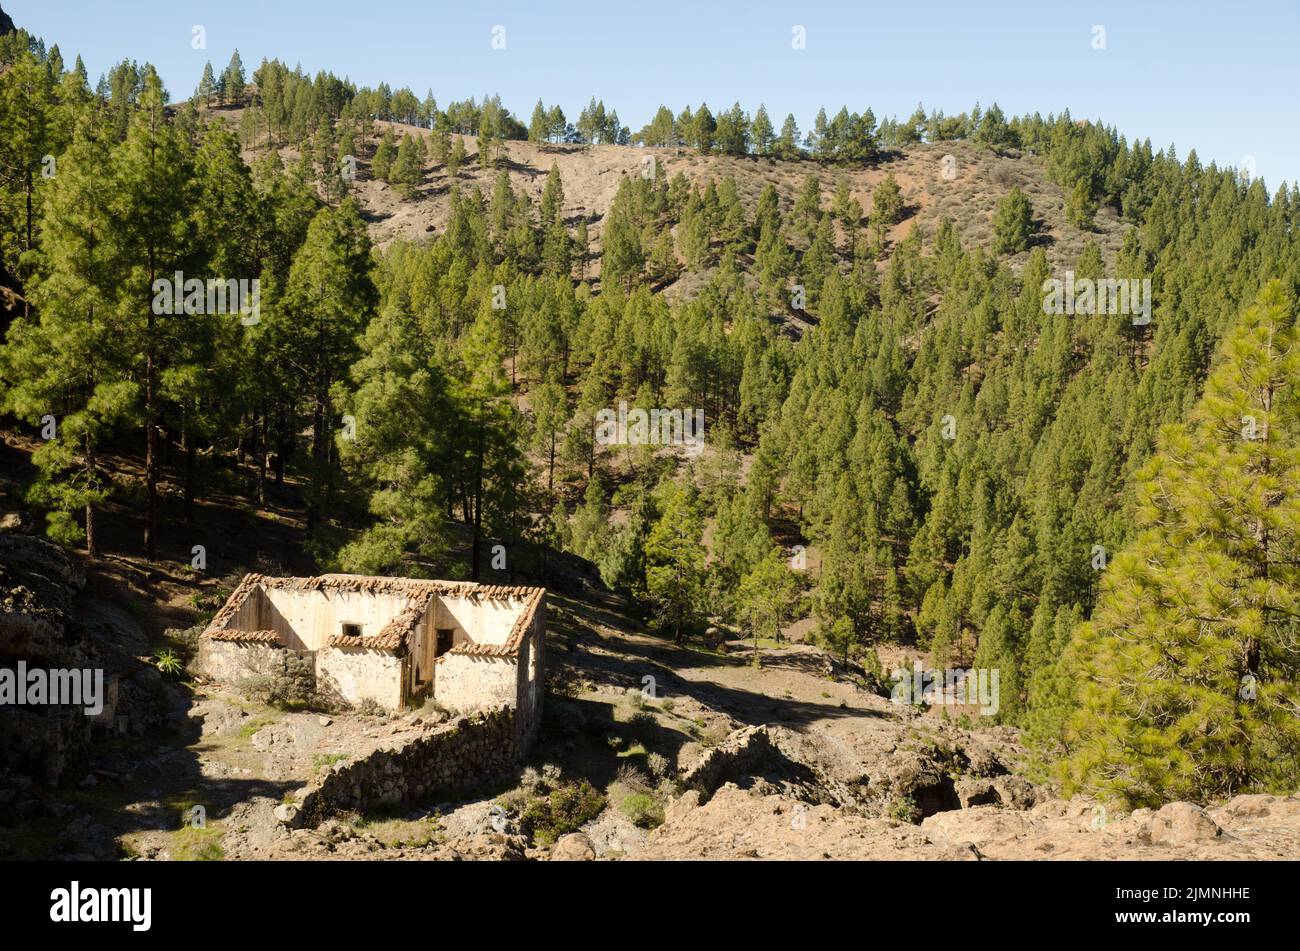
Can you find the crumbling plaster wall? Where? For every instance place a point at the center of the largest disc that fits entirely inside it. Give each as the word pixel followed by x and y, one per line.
pixel 355 675
pixel 530 678
pixel 307 619
pixel 232 663
pixel 477 621
pixel 465 682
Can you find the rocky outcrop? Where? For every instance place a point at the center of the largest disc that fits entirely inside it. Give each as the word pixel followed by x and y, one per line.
pixel 6 24
pixel 1181 823
pixel 1012 792
pixel 45 623
pixel 38 583
pixel 746 824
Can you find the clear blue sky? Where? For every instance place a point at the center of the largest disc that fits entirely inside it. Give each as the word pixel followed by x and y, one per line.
pixel 1221 78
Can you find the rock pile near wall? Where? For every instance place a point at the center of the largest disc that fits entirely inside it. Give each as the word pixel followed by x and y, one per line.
pixel 446 761
pixel 739 753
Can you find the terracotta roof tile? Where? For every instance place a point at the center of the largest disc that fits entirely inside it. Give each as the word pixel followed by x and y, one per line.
pixel 395 635
pixel 246 637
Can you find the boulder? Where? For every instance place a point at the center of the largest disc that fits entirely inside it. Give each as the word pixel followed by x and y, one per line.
pixel 961 852
pixel 973 791
pixel 684 804
pixel 1181 823
pixel 1250 805
pixel 1016 792
pixel 574 847
pixel 286 813
pixel 915 777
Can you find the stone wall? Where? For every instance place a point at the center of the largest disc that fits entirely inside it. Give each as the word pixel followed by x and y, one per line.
pixel 344 676
pixel 738 755
pixel 465 682
pixel 530 686
pixel 233 663
pixel 356 675
pixel 449 760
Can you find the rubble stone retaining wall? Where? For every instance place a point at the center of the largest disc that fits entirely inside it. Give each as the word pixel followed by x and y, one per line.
pixel 446 761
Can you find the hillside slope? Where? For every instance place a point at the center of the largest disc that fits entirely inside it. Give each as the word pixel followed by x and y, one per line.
pixel 591 175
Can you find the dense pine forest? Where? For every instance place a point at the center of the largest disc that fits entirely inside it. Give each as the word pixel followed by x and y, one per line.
pixel 902 444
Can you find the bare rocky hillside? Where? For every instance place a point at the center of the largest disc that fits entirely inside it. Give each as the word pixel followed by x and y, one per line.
pixel 591 175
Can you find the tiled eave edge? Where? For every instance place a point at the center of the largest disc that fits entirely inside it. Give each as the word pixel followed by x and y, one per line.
pixel 236 636
pixel 217 626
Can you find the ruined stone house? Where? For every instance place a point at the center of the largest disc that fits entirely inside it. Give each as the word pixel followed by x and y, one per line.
pixel 394 641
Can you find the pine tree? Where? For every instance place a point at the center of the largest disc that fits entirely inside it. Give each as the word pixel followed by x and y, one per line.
pixel 787 145
pixel 552 208
pixel 153 187
pixel 1013 223
pixel 550 415
pixel 539 126
pixel 73 363
pixel 407 170
pixel 232 79
pixel 491 465
pixel 581 248
pixel 457 157
pixel 1188 672
pixel 765 597
pixel 382 163
pixel 25 140
pixel 327 300
pixel 1079 206
pixel 675 559
pixel 401 450
pixel 886 205
pixel 761 132
pixel 208 84
pixel 557 127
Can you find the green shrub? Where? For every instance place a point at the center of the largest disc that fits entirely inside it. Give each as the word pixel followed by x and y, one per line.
pixel 644 810
pixel 565 810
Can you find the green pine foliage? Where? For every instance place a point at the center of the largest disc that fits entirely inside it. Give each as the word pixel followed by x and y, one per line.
pixel 1188 672
pixel 1013 223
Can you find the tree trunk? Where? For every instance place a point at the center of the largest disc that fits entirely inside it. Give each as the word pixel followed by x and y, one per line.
pixel 319 457
pixel 92 541
pixel 261 456
pixel 478 506
pixel 27 183
pixel 189 478
pixel 151 431
pixel 282 446
pixel 550 467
